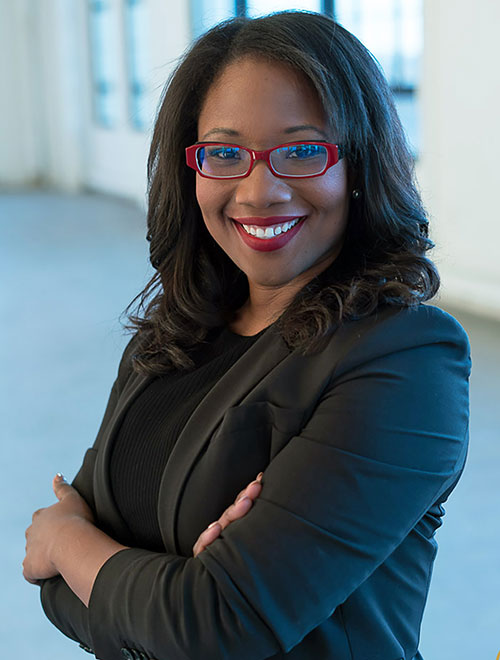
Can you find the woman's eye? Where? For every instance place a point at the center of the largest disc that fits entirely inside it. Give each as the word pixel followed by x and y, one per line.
pixel 304 151
pixel 224 153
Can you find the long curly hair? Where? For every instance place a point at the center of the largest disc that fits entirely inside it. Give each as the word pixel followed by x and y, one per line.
pixel 196 287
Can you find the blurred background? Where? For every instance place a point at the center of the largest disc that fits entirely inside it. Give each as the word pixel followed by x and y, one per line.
pixel 81 80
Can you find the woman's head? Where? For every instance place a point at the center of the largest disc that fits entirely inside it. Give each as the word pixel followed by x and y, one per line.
pixel 356 99
pixel 261 104
pixel 379 230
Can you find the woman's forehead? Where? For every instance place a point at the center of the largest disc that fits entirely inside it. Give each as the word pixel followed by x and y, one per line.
pixel 254 95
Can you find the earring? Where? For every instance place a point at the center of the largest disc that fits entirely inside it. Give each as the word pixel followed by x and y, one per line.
pixel 356 194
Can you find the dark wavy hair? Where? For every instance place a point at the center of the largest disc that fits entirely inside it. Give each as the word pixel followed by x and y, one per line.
pixel 196 286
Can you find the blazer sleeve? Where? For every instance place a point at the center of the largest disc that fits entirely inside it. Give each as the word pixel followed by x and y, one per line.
pixel 61 606
pixel 386 440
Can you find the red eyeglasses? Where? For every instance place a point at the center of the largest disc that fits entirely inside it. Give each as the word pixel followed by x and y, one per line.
pixel 300 160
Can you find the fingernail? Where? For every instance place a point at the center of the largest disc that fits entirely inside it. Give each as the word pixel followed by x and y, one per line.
pixel 243 497
pixel 60 476
pixel 259 476
pixel 212 524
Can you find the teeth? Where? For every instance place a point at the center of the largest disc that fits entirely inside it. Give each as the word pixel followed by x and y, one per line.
pixel 270 232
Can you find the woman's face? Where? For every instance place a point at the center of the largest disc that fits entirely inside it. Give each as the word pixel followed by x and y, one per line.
pixel 258 104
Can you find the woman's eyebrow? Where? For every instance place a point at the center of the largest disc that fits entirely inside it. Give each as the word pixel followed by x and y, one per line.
pixel 306 127
pixel 292 129
pixel 224 131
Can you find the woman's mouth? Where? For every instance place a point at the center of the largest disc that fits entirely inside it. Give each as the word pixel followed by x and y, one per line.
pixel 266 234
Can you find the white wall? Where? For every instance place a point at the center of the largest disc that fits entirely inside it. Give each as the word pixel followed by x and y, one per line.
pixel 61 69
pixel 19 143
pixel 459 169
pixel 41 70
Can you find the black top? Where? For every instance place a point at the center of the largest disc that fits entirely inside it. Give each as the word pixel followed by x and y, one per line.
pixel 151 427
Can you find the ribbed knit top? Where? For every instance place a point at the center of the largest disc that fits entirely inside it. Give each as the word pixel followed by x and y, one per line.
pixel 150 429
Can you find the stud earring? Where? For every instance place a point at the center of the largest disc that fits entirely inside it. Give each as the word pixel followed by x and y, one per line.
pixel 356 194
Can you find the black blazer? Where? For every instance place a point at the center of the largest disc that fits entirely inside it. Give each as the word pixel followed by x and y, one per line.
pixel 360 445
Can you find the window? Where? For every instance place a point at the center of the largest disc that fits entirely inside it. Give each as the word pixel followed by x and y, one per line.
pixel 118 39
pixel 393 31
pixel 104 65
pixel 259 7
pixel 136 48
pixel 206 13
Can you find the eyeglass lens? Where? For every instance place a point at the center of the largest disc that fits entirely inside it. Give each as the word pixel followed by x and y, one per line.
pixel 222 160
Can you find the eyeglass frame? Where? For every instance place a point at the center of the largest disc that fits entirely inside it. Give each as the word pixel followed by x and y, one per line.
pixel 334 151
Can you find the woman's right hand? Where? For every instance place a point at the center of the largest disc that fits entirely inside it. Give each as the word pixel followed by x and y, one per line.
pixel 241 506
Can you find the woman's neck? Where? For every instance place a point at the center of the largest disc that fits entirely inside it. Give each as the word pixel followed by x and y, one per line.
pixel 261 309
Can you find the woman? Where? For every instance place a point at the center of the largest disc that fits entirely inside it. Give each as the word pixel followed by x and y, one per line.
pixel 285 335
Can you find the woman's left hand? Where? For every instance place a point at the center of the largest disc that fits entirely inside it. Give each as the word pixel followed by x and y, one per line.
pixel 43 533
pixel 241 506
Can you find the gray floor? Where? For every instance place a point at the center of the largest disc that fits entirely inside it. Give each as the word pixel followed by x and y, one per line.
pixel 70 266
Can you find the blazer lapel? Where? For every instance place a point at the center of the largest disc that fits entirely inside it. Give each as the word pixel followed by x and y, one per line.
pixel 268 351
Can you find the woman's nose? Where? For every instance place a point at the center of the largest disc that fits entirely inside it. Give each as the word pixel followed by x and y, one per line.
pixel 261 188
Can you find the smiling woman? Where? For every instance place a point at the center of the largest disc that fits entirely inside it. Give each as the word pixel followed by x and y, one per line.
pixel 282 336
